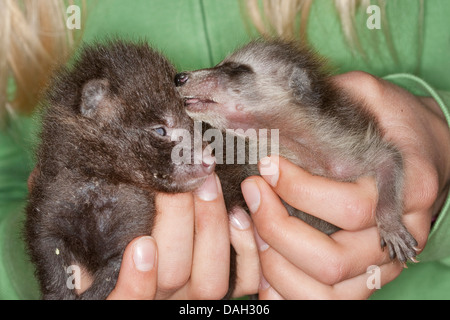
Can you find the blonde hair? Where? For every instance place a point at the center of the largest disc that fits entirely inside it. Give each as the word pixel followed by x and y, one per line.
pixel 289 19
pixel 33 36
pixel 280 17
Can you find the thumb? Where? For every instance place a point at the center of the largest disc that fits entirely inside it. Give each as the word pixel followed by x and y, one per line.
pixel 138 272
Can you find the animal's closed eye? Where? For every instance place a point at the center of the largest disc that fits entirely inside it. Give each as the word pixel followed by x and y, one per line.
pixel 233 65
pixel 234 68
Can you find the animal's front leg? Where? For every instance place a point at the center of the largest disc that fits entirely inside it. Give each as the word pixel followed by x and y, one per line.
pixel 389 212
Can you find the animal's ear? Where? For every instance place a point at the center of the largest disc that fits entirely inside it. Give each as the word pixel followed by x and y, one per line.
pixel 300 83
pixel 94 96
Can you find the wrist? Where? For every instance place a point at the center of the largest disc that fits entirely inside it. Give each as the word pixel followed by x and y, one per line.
pixel 440 132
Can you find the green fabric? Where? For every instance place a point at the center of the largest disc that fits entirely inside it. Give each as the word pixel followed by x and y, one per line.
pixel 16 274
pixel 199 33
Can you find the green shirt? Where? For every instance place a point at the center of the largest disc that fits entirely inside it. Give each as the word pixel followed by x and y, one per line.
pixel 200 33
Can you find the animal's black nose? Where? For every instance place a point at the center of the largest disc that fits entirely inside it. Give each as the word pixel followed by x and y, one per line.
pixel 181 79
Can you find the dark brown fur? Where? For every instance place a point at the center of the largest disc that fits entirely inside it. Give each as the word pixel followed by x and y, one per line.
pixel 105 152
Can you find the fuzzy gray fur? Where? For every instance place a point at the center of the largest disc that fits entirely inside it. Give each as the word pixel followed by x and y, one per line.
pixel 280 85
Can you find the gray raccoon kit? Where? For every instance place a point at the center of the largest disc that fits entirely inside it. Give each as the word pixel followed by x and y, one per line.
pixel 276 84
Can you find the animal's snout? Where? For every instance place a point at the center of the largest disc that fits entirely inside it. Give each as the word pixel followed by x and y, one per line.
pixel 181 79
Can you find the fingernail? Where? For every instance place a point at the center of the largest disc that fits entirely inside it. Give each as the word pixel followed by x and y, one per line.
pixel 263 284
pixel 269 170
pixel 251 194
pixel 260 243
pixel 240 219
pixel 144 254
pixel 208 191
pixel 207 156
pixel 218 184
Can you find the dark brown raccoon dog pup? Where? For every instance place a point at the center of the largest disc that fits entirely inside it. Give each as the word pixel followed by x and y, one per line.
pixel 280 85
pixel 107 140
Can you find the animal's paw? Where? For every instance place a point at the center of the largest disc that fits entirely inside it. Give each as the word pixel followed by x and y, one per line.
pixel 400 242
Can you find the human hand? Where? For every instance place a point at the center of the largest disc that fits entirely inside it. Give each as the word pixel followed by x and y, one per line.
pixel 299 262
pixel 192 262
pixel 188 255
pixel 191 232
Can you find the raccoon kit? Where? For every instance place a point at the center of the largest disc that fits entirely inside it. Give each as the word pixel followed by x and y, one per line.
pixel 105 152
pixel 281 85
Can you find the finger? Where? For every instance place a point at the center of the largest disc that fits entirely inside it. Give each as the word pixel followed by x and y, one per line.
pixel 266 292
pixel 284 278
pixel 247 259
pixel 364 285
pixel 348 205
pixel 211 257
pixel 330 259
pixel 138 272
pixel 270 294
pixel 419 224
pixel 174 233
